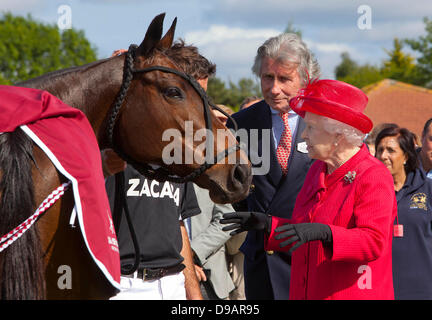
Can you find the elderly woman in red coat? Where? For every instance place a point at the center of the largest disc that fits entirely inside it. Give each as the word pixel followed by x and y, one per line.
pixel 340 233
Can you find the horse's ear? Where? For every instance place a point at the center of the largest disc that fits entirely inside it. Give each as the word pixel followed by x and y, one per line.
pixel 153 35
pixel 167 40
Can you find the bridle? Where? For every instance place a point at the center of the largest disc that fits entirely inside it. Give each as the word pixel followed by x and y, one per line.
pixel 147 170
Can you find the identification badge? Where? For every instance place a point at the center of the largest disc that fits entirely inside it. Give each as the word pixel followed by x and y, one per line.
pixel 302 147
pixel 398 230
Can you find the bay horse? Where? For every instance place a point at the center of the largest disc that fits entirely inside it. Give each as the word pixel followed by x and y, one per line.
pixel 157 96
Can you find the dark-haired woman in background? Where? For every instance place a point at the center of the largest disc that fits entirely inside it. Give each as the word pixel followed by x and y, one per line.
pixel 412 242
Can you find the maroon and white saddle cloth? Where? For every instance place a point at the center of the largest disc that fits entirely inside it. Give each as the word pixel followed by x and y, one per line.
pixel 67 138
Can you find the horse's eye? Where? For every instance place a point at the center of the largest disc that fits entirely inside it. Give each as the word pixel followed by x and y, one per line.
pixel 174 92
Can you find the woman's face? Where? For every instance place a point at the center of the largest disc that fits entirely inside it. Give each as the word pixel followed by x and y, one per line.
pixel 390 153
pixel 320 143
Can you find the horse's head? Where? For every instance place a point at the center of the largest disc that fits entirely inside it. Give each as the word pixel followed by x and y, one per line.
pixel 165 121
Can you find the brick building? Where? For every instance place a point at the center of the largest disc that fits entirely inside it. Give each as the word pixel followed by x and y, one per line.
pixel 393 101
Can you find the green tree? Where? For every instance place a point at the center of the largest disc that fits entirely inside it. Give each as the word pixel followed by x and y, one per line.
pixel 400 66
pixel 243 89
pixel 29 48
pixel 363 76
pixel 291 29
pixel 346 67
pixel 217 91
pixel 349 71
pixel 234 95
pixel 423 45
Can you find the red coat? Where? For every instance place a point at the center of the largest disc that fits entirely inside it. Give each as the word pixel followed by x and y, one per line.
pixel 358 265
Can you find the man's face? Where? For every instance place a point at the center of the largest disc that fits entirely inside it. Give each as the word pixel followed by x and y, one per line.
pixel 426 149
pixel 279 83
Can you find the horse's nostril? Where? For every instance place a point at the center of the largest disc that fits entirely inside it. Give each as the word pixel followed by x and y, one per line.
pixel 241 173
pixel 238 174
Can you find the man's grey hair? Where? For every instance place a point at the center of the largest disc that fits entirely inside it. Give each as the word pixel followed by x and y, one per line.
pixel 289 48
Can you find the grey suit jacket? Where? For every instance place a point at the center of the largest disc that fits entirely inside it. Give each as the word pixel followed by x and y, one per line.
pixel 208 241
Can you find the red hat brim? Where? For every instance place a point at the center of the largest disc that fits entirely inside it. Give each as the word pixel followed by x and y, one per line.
pixel 333 110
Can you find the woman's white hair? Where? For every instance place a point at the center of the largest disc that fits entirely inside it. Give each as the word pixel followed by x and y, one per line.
pixel 289 48
pixel 352 135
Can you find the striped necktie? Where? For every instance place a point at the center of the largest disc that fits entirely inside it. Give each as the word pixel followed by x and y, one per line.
pixel 284 148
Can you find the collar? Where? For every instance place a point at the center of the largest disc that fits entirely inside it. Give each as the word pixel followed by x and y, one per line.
pixel 343 170
pixel 275 112
pixel 414 180
pixel 324 180
pixel 318 185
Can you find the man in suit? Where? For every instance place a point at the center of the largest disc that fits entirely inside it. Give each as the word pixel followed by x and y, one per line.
pixel 284 65
pixel 208 245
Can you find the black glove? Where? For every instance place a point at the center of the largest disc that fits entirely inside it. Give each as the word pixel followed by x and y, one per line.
pixel 245 221
pixel 302 233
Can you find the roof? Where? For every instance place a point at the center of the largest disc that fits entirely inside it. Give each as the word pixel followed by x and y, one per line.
pixel 407 105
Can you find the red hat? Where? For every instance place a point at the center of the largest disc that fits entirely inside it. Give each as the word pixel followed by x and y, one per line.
pixel 334 99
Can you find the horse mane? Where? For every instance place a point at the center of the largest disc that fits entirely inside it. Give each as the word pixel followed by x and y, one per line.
pixel 22 273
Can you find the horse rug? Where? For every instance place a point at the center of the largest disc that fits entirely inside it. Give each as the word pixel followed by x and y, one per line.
pixel 67 138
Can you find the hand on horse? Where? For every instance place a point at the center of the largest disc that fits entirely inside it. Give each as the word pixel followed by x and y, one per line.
pixel 111 162
pixel 245 221
pixel 302 233
pixel 118 52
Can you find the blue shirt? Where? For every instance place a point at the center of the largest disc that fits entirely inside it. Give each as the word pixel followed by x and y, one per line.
pixel 278 125
pixel 412 253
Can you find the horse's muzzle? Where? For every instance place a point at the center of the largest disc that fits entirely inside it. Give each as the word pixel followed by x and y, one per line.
pixel 241 177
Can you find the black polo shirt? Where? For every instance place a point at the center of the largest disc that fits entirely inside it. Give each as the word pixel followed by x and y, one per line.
pixel 155 209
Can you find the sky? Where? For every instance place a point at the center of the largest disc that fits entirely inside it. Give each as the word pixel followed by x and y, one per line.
pixel 228 32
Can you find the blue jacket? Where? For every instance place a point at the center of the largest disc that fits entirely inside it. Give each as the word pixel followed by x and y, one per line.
pixel 267 275
pixel 412 253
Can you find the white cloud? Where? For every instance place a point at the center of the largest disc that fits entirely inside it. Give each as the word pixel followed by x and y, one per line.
pixel 328 47
pixel 228 32
pixel 222 33
pixel 233 49
pixel 318 12
pixel 21 5
pixel 390 30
